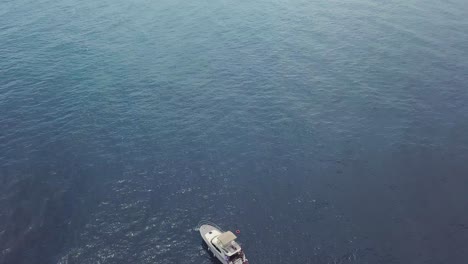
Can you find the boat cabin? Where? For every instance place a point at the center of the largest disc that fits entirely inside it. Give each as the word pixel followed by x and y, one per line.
pixel 225 244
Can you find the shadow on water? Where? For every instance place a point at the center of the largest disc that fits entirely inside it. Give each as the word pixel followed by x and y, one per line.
pixel 209 254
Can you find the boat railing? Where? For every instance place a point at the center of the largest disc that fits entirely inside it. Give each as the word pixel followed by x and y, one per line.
pixel 206 222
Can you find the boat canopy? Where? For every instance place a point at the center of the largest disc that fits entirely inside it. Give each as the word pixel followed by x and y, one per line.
pixel 226 238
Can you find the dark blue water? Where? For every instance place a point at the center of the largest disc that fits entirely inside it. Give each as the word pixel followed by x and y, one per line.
pixel 326 131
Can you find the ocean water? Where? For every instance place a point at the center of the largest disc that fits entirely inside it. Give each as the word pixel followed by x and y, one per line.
pixel 325 131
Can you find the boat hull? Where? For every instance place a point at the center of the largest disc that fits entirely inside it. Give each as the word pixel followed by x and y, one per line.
pixel 205 234
pixel 208 232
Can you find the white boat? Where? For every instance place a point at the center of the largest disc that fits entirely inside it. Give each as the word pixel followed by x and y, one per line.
pixel 222 244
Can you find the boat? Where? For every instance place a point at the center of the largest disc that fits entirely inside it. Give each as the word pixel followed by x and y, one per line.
pixel 222 244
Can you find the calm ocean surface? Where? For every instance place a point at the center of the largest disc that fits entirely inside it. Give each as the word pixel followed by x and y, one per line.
pixel 325 131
